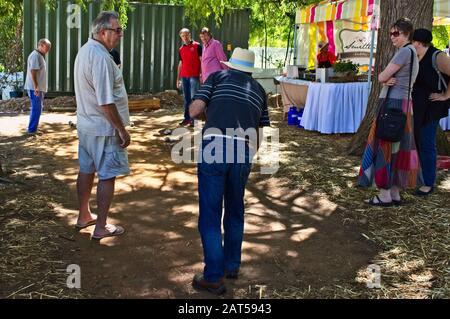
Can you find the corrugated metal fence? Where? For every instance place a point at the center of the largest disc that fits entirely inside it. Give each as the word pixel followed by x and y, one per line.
pixel 148 49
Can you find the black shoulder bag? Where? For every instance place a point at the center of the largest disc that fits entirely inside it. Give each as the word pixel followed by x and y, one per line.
pixel 391 121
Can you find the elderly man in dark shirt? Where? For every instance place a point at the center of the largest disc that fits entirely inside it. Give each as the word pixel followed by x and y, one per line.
pixel 235 106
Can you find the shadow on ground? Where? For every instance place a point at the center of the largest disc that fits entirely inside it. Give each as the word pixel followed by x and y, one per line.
pixel 293 237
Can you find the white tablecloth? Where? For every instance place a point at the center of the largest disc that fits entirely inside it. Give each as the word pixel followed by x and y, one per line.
pixel 293 92
pixel 284 79
pixel 445 122
pixel 335 107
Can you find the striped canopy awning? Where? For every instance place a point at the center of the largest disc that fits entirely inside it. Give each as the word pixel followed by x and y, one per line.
pixel 441 9
pixel 337 10
pixel 353 10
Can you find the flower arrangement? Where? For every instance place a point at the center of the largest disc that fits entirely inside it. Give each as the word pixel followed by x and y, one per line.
pixel 345 67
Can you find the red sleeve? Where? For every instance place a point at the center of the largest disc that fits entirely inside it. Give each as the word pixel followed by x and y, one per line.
pixel 318 58
pixel 332 58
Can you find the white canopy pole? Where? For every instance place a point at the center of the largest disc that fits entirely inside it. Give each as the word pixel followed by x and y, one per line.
pixel 295 44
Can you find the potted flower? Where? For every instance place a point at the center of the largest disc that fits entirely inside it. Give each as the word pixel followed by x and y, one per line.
pixel 345 68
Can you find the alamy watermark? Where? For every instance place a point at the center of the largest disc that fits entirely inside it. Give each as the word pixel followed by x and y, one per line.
pixel 259 288
pixel 74 16
pixel 374 280
pixel 74 278
pixel 230 146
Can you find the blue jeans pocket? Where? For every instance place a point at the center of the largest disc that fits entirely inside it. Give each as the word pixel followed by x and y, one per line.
pixel 213 169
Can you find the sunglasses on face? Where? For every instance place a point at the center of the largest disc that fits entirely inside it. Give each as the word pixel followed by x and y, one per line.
pixel 118 30
pixel 395 34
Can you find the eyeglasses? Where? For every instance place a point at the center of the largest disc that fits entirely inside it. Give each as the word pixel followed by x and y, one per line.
pixel 118 30
pixel 395 34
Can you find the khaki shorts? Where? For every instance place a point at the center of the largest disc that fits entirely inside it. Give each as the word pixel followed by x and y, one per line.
pixel 102 154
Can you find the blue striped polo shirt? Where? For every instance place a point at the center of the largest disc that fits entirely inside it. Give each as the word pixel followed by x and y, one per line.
pixel 234 100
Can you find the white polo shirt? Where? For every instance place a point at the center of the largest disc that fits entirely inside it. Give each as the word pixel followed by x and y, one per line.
pixel 98 81
pixel 36 61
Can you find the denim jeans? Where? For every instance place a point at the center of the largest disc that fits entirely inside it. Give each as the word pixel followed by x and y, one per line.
pixel 428 152
pixel 190 87
pixel 220 183
pixel 36 109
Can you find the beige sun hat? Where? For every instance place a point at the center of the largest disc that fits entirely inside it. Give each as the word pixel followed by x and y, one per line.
pixel 242 60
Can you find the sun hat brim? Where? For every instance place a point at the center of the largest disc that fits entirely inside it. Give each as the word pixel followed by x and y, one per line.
pixel 243 68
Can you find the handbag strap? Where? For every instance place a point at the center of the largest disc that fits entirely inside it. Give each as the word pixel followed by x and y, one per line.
pixel 409 84
pixel 410 73
pixel 441 78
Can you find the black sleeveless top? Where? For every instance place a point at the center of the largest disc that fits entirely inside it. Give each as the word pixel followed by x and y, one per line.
pixel 426 111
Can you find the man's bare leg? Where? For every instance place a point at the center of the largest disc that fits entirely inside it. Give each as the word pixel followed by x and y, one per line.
pixel 105 194
pixel 84 189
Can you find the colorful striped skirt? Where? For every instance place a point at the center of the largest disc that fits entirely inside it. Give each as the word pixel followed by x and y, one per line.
pixel 386 164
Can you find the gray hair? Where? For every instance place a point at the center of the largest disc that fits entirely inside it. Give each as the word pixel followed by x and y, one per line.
pixel 44 41
pixel 185 30
pixel 103 21
pixel 206 31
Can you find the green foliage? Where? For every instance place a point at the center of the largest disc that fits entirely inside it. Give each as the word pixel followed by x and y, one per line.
pixel 270 21
pixel 11 56
pixel 346 66
pixel 9 7
pixel 273 18
pixel 441 36
pixel 278 18
pixel 269 18
pixel 10 15
pixel 278 63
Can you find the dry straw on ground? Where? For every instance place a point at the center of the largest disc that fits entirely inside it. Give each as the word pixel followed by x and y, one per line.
pixel 413 239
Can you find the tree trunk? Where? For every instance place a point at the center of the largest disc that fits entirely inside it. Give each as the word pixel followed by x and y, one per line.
pixel 421 15
pixel 288 43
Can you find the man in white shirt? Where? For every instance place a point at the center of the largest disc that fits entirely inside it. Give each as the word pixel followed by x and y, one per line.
pixel 36 82
pixel 102 115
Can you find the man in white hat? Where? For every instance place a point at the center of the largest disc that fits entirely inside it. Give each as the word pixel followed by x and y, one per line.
pixel 236 107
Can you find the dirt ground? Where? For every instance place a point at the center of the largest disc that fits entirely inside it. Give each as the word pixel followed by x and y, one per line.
pixel 300 240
